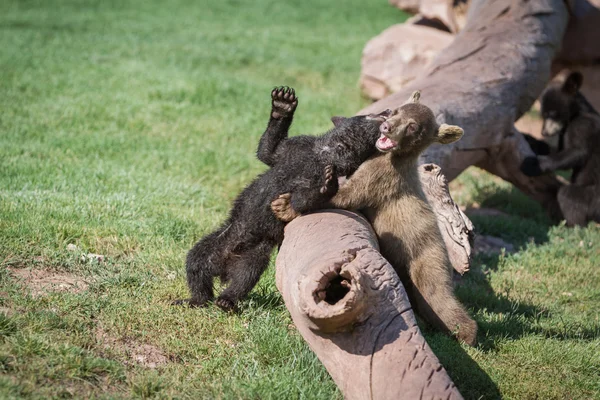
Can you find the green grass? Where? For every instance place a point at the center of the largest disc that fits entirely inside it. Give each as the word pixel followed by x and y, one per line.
pixel 126 128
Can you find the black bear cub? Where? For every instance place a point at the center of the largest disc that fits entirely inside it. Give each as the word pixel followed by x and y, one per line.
pixel 574 127
pixel 307 167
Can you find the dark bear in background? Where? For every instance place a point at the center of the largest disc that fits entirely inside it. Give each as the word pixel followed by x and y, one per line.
pixel 571 131
pixel 307 167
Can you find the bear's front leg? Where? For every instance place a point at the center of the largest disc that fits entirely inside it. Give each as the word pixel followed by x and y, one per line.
pixel 283 106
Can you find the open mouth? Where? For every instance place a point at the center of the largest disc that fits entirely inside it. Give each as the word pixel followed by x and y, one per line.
pixel 384 143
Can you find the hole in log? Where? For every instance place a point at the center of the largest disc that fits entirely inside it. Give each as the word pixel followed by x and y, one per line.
pixel 337 288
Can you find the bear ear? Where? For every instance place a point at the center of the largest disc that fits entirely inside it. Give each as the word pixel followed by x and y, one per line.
pixel 382 116
pixel 337 121
pixel 414 97
pixel 572 83
pixel 449 133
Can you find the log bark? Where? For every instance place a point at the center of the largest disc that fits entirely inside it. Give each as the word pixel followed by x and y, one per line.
pixel 348 303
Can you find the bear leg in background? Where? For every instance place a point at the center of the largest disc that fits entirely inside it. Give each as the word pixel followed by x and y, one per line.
pixel 580 204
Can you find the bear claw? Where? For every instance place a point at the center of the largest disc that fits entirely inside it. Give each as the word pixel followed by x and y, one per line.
pixel 284 102
pixel 226 304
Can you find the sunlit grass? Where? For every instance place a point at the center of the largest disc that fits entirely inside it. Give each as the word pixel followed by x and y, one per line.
pixel 126 129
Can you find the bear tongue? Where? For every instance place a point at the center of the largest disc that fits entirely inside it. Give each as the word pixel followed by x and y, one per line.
pixel 385 143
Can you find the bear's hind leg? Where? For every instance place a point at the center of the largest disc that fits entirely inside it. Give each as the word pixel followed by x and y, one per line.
pixel 244 274
pixel 435 301
pixel 579 204
pixel 204 261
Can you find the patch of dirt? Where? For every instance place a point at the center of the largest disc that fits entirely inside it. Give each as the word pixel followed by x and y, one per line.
pixel 491 245
pixel 146 355
pixel 40 282
pixel 7 311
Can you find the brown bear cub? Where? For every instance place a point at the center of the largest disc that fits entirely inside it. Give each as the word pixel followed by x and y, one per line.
pixel 387 189
pixel 306 167
pixel 572 125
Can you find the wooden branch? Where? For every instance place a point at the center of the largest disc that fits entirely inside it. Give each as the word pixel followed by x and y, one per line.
pixel 350 306
pixel 457 229
pixel 411 6
pixel 580 46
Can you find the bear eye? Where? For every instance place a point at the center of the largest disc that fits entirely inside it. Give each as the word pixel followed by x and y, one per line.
pixel 412 128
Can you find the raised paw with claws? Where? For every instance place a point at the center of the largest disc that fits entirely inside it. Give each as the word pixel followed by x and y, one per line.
pixel 284 102
pixel 282 208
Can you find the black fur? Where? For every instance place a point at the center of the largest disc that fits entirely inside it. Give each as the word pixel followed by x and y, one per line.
pixel 305 166
pixel 569 115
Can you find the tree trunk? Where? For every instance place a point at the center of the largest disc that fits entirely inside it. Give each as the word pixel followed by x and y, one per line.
pixel 349 305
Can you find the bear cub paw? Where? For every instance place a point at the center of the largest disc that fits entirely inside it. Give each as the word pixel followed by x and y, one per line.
pixel 284 102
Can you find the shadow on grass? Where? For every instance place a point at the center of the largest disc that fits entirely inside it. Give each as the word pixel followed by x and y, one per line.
pixel 508 318
pixel 476 293
pixel 264 300
pixel 471 381
pixel 521 220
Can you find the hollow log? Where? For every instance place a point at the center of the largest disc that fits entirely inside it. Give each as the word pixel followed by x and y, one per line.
pixel 348 303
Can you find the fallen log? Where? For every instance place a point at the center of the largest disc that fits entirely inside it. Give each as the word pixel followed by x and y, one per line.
pixel 349 305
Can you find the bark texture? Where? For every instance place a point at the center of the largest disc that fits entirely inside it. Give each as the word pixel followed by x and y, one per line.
pixel 349 305
pixel 397 56
pixel 457 229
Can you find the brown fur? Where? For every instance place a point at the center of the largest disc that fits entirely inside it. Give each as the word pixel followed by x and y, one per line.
pixel 388 190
